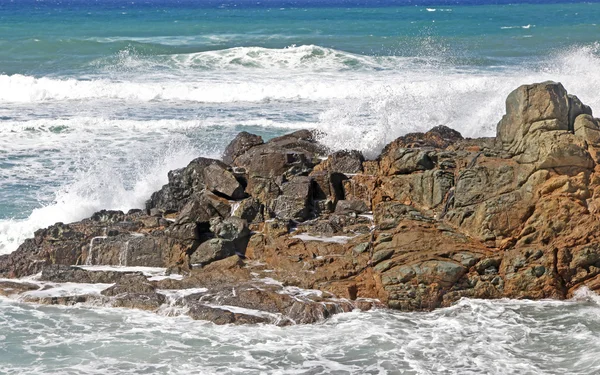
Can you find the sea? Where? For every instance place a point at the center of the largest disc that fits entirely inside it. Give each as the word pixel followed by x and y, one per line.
pixel 99 99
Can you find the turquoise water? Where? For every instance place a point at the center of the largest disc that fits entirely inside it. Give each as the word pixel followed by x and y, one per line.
pixel 80 37
pixel 100 99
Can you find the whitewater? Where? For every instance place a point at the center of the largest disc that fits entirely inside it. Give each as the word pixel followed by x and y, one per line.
pixel 100 99
pixel 109 143
pixel 472 337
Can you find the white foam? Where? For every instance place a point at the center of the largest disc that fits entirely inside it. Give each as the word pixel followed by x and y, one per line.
pixel 473 337
pixel 517 27
pixel 175 295
pixel 470 102
pixel 66 290
pixel 332 239
pixel 154 273
pixel 585 294
pixel 103 184
pixel 246 311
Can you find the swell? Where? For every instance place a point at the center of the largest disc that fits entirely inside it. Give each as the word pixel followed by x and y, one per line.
pixel 257 74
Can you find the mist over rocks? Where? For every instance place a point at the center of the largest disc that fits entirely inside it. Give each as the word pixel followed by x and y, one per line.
pixel 285 231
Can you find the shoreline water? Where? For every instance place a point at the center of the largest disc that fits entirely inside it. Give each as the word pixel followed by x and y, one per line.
pixel 487 337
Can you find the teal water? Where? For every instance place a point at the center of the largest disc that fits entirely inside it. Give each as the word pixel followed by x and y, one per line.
pixel 100 99
pixel 48 38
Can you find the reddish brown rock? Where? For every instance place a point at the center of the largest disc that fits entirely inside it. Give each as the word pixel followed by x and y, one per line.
pixel 434 219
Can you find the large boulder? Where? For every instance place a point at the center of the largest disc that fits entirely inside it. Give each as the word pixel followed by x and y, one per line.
pixel 538 125
pixel 213 250
pixel 240 144
pixel 201 174
pixel 347 162
pixel 295 202
pixel 529 108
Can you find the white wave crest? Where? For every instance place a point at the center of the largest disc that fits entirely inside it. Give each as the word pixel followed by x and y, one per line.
pixel 227 89
pixel 100 186
pixel 469 102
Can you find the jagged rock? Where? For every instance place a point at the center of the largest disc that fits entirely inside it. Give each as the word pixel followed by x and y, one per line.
pixel 327 189
pixel 201 174
pixel 351 206
pixel 577 108
pixel 439 137
pixel 404 160
pixel 362 187
pixel 232 228
pixel 264 190
pixel 211 250
pixel 295 203
pixel 272 161
pixel 70 274
pixel 587 128
pixel 240 144
pixel 346 162
pixel 201 207
pixel 288 155
pixel 532 108
pixel 134 291
pixel 249 209
pixel 537 125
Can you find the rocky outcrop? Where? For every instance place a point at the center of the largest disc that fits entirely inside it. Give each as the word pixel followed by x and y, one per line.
pixel 201 175
pixel 285 232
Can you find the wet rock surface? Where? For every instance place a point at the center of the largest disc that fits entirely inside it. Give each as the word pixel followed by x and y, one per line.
pixel 285 232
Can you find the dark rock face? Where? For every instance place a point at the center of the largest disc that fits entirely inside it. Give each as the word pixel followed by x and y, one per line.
pixel 134 291
pixel 9 288
pixel 515 216
pixel 71 274
pixel 201 174
pixel 349 162
pixel 243 142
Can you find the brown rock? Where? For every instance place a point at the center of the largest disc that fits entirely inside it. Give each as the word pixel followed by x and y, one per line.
pixel 240 144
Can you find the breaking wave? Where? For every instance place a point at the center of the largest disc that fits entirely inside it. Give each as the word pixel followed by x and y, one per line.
pixel 361 110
